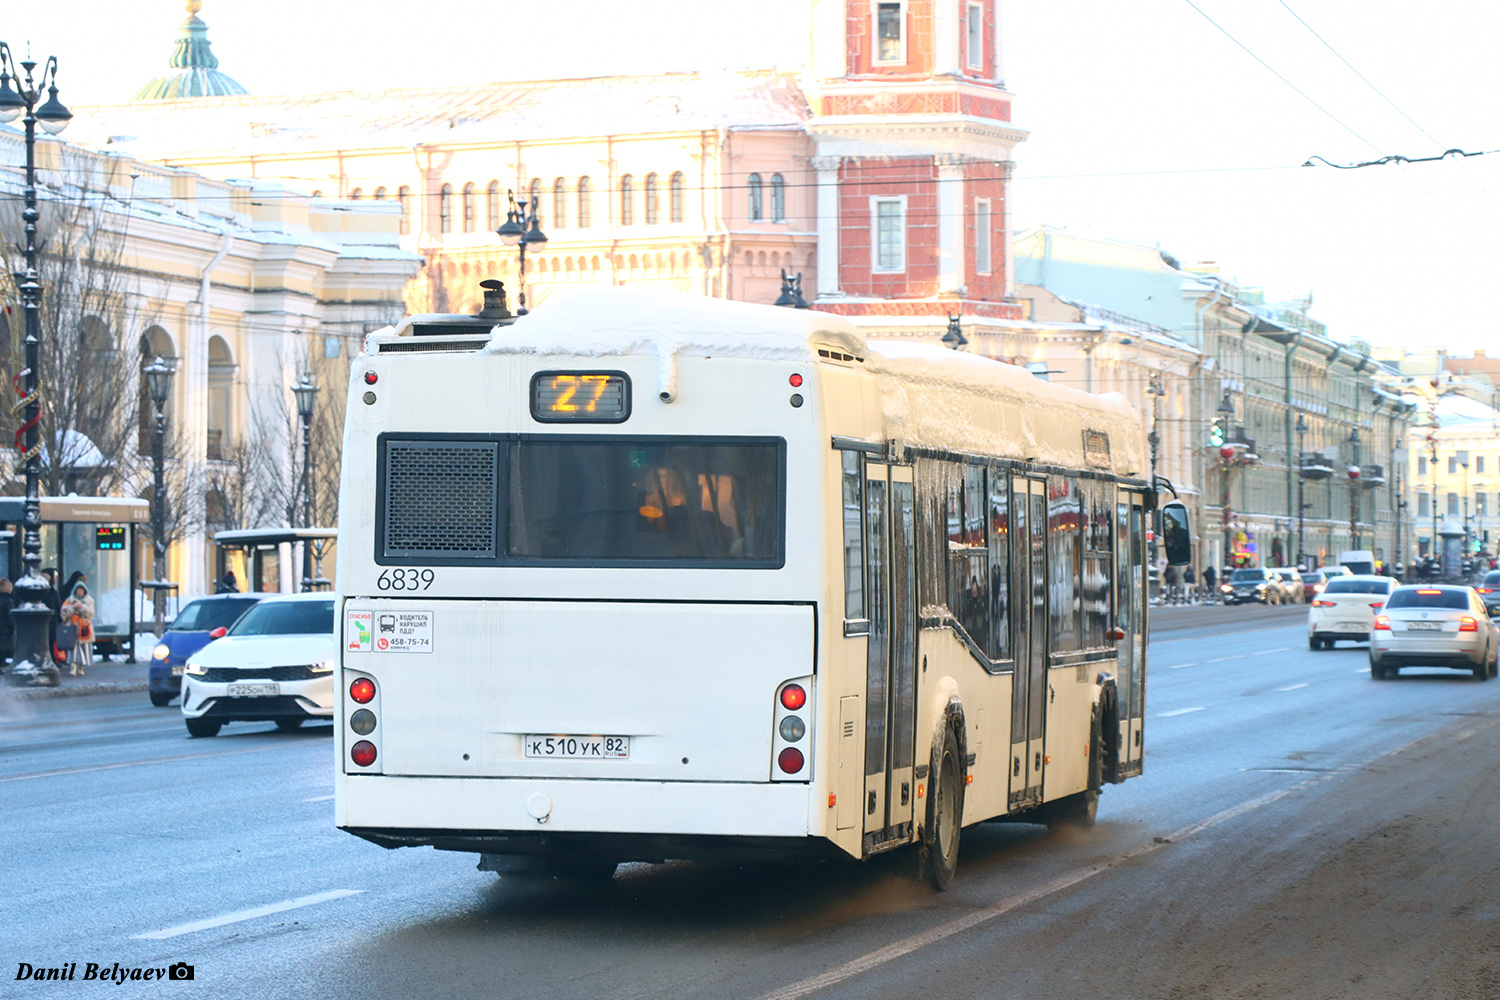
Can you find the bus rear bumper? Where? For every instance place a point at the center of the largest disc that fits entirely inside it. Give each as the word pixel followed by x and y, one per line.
pixel 415 810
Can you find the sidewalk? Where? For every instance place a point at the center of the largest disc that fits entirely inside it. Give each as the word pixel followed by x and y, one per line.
pixel 104 677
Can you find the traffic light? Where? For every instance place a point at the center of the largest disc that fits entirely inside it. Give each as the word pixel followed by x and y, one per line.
pixel 1216 435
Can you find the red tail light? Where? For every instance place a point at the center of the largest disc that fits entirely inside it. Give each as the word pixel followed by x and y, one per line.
pixel 1467 624
pixel 1378 606
pixel 789 760
pixel 1429 591
pixel 1486 590
pixel 362 691
pixel 1322 604
pixel 1382 623
pixel 362 753
pixel 793 698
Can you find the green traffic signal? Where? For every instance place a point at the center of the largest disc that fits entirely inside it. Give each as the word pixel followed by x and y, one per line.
pixel 1216 436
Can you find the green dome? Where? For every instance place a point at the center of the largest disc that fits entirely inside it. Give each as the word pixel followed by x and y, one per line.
pixel 195 69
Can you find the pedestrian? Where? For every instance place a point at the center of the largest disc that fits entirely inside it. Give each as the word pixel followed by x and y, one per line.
pixel 228 585
pixel 53 601
pixel 1209 576
pixel 1170 576
pixel 7 626
pixel 1191 579
pixel 78 610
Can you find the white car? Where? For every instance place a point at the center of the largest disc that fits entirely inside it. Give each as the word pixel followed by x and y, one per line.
pixel 275 665
pixel 1434 626
pixel 1346 609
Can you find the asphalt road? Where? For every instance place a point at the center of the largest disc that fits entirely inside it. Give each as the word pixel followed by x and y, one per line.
pixel 1301 830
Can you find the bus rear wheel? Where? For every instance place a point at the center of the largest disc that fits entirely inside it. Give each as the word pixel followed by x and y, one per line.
pixel 945 809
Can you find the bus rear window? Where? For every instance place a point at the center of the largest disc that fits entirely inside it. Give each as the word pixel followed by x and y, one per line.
pixel 1426 597
pixel 646 502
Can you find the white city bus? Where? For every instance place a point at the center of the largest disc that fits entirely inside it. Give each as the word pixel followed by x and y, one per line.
pixel 646 576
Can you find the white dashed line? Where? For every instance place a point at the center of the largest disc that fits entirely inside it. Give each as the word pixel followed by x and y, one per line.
pixel 1181 666
pixel 250 914
pixel 320 798
pixel 1238 656
pixel 1279 649
pixel 1178 711
pixel 1292 687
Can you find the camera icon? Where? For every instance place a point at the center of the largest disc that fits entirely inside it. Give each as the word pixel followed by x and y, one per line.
pixel 180 971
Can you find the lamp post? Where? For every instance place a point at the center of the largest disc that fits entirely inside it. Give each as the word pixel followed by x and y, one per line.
pixel 791 291
pixel 1226 455
pixel 159 385
pixel 1354 490
pixel 1156 392
pixel 1301 480
pixel 33 655
pixel 307 397
pixel 954 338
pixel 521 229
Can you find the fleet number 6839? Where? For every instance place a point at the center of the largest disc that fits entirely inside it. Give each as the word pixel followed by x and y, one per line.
pixel 405 579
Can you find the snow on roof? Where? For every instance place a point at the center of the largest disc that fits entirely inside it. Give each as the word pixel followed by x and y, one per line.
pixel 495 112
pixel 594 322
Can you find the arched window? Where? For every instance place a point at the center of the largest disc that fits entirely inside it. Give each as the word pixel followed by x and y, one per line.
pixel 627 200
pixel 678 183
pixel 403 195
pixel 154 343
pixel 778 198
pixel 492 214
pixel 534 199
pixel 559 203
pixel 379 194
pixel 356 194
pixel 585 203
pixel 468 208
pixel 651 214
pixel 756 212
pixel 220 398
pixel 445 209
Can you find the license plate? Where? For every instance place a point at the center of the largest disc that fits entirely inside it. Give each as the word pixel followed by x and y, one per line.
pixel 578 747
pixel 1352 626
pixel 253 690
pixel 1423 626
pixel 177 670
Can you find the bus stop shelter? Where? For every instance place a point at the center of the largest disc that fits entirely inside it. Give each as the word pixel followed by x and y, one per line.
pixel 95 536
pixel 269 560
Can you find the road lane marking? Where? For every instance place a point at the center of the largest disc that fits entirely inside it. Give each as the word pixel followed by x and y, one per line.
pixel 1279 649
pixel 138 763
pixel 1361 670
pixel 1181 666
pixel 848 970
pixel 1178 711
pixel 1292 687
pixel 1237 656
pixel 319 798
pixel 250 914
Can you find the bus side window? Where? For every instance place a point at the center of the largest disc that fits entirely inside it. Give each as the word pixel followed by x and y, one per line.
pixel 968 553
pixel 854 541
pixel 999 641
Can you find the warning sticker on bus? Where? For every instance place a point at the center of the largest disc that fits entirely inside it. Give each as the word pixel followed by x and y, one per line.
pixel 403 631
pixel 357 635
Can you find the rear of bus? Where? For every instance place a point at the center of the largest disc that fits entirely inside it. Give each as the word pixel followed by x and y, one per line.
pixel 579 598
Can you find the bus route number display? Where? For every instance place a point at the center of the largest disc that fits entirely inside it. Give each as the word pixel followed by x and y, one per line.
pixel 580 397
pixel 109 539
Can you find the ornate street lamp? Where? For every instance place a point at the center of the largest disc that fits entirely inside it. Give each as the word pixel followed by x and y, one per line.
pixel 33 654
pixel 955 338
pixel 791 291
pixel 1301 481
pixel 159 386
pixel 1226 455
pixel 1354 490
pixel 307 398
pixel 521 229
pixel 1156 392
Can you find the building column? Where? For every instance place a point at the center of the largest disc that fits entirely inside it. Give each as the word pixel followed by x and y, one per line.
pixel 945 56
pixel 950 190
pixel 828 223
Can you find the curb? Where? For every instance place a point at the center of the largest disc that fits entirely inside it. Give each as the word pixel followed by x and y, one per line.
pixel 73 691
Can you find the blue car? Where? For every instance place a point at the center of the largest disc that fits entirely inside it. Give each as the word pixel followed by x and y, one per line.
pixel 195 626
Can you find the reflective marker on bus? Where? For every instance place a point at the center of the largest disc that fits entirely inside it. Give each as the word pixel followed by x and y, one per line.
pixel 617 601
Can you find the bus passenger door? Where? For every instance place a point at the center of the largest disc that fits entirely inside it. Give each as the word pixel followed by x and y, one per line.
pixel 1028 695
pixel 1130 617
pixel 891 674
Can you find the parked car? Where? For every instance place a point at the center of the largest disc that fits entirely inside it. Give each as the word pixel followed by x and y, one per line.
pixel 1489 591
pixel 1291 584
pixel 1434 626
pixel 1251 585
pixel 1346 609
pixel 190 631
pixel 275 665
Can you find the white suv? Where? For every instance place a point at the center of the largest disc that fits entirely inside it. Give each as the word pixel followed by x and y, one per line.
pixel 1346 609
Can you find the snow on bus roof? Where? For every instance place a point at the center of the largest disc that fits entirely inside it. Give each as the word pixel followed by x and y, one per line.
pixel 595 322
pixel 938 398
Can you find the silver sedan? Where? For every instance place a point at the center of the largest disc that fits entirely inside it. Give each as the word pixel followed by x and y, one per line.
pixel 1434 627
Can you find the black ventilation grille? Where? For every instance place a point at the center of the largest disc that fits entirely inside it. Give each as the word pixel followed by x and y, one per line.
pixel 440 498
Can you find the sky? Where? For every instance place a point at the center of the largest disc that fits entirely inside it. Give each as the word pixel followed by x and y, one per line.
pixel 1148 123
